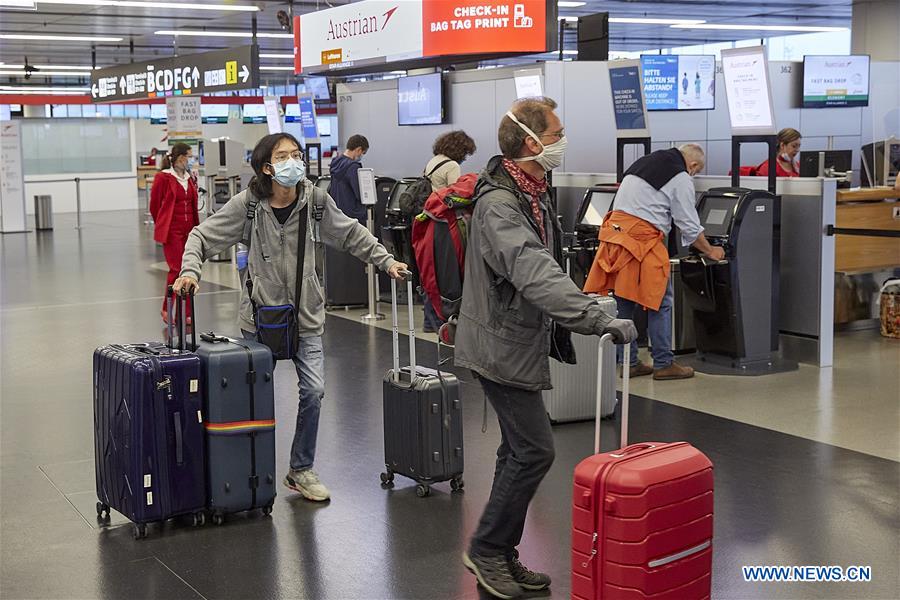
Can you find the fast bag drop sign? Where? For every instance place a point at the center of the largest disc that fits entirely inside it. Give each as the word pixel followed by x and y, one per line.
pixel 217 71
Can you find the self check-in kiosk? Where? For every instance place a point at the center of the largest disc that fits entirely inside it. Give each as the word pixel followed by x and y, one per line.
pixel 732 299
pixel 582 246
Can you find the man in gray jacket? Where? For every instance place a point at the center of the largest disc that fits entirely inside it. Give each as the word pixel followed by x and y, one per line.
pixel 516 301
pixel 272 207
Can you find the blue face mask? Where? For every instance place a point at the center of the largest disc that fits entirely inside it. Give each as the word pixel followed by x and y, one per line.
pixel 191 163
pixel 289 172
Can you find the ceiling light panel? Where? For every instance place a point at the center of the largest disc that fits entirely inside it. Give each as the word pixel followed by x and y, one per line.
pixel 234 34
pixel 57 38
pixel 140 4
pixel 750 27
pixel 42 73
pixel 566 4
pixel 286 56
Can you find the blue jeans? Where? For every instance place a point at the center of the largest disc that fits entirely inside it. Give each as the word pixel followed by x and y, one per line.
pixel 659 330
pixel 310 364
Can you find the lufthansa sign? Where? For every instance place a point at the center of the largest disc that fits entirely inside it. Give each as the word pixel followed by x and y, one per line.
pixel 218 71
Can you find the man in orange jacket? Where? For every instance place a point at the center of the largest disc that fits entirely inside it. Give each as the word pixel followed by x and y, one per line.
pixel 633 262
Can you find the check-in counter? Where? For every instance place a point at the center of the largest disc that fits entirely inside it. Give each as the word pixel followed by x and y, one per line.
pixel 145 176
pixel 867 230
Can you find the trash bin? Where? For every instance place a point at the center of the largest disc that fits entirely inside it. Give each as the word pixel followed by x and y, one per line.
pixel 43 212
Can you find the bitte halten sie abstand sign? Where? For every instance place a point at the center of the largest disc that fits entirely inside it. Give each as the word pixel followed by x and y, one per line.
pixel 385 31
pixel 217 71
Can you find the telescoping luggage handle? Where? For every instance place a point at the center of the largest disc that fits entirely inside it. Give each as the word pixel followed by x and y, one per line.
pixel 626 361
pixel 180 315
pixel 396 327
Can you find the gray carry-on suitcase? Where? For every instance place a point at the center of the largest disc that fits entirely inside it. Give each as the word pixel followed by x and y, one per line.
pixel 574 393
pixel 423 437
pixel 239 404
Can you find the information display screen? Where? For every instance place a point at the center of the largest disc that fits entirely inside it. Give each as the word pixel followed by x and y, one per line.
pixel 254 113
pixel 716 213
pixel 292 113
pixel 420 100
pixel 628 99
pixel 746 75
pixel 835 81
pixel 680 82
pixel 597 207
pixel 318 87
pixel 214 113
pixel 158 114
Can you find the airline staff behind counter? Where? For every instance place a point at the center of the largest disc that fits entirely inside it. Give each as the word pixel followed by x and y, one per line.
pixel 787 163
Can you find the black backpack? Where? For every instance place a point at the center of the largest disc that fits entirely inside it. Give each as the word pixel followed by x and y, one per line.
pixel 412 199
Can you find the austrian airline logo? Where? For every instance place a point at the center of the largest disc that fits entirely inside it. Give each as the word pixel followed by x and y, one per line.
pixel 361 25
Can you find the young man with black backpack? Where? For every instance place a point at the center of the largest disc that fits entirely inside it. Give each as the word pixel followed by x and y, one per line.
pixel 516 301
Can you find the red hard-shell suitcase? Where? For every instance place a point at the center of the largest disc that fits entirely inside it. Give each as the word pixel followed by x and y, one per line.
pixel 642 519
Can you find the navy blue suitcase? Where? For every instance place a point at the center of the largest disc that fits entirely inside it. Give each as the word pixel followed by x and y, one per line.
pixel 148 432
pixel 239 404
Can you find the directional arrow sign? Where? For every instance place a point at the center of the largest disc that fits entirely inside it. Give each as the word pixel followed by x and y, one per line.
pixel 177 76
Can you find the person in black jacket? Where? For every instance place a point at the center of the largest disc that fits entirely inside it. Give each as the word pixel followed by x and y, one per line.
pixel 344 180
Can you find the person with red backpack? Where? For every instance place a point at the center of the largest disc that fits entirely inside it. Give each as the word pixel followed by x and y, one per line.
pixel 516 302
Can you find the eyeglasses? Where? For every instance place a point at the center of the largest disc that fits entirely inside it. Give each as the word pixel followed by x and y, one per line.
pixel 282 156
pixel 558 135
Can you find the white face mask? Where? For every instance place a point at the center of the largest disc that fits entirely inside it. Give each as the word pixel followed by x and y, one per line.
pixel 551 155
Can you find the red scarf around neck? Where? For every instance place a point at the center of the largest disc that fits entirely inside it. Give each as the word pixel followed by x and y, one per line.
pixel 535 188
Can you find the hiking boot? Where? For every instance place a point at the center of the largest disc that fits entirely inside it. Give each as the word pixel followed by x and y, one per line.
pixel 307 483
pixel 492 572
pixel 673 371
pixel 524 577
pixel 638 370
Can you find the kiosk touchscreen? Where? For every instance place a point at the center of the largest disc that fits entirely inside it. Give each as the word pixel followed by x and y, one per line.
pixel 596 203
pixel 734 300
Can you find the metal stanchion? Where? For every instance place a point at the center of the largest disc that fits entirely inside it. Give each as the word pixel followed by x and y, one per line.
pixel 78 203
pixel 373 314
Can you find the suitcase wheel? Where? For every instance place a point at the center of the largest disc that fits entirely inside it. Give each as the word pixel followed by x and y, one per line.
pixel 457 484
pixel 198 519
pixel 140 531
pixel 102 511
pixel 267 510
pixel 387 479
pixel 423 490
pixel 218 518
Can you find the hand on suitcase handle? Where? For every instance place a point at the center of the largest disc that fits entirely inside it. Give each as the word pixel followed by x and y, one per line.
pixel 399 271
pixel 622 330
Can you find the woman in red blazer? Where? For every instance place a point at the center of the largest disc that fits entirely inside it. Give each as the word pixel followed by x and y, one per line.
pixel 173 204
pixel 786 162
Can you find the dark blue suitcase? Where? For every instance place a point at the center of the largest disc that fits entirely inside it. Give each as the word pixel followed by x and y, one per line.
pixel 148 433
pixel 239 404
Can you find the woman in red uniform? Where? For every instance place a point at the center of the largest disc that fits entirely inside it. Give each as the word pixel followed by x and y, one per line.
pixel 786 164
pixel 173 204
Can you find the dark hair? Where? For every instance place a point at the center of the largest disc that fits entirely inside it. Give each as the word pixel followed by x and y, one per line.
pixel 358 141
pixel 261 184
pixel 454 144
pixel 175 152
pixel 532 112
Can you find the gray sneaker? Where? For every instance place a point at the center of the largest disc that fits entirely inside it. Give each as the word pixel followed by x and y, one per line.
pixel 307 483
pixel 528 579
pixel 492 572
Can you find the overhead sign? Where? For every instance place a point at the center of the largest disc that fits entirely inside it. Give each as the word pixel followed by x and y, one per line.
pixel 679 82
pixel 217 71
pixel 746 74
pixel 628 99
pixel 184 117
pixel 385 31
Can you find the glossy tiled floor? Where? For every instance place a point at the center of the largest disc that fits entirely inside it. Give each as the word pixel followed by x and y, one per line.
pixel 806 463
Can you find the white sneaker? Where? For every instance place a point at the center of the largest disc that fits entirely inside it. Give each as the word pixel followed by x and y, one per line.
pixel 307 483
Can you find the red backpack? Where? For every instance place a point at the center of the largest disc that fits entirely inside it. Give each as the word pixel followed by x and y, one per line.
pixel 439 239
